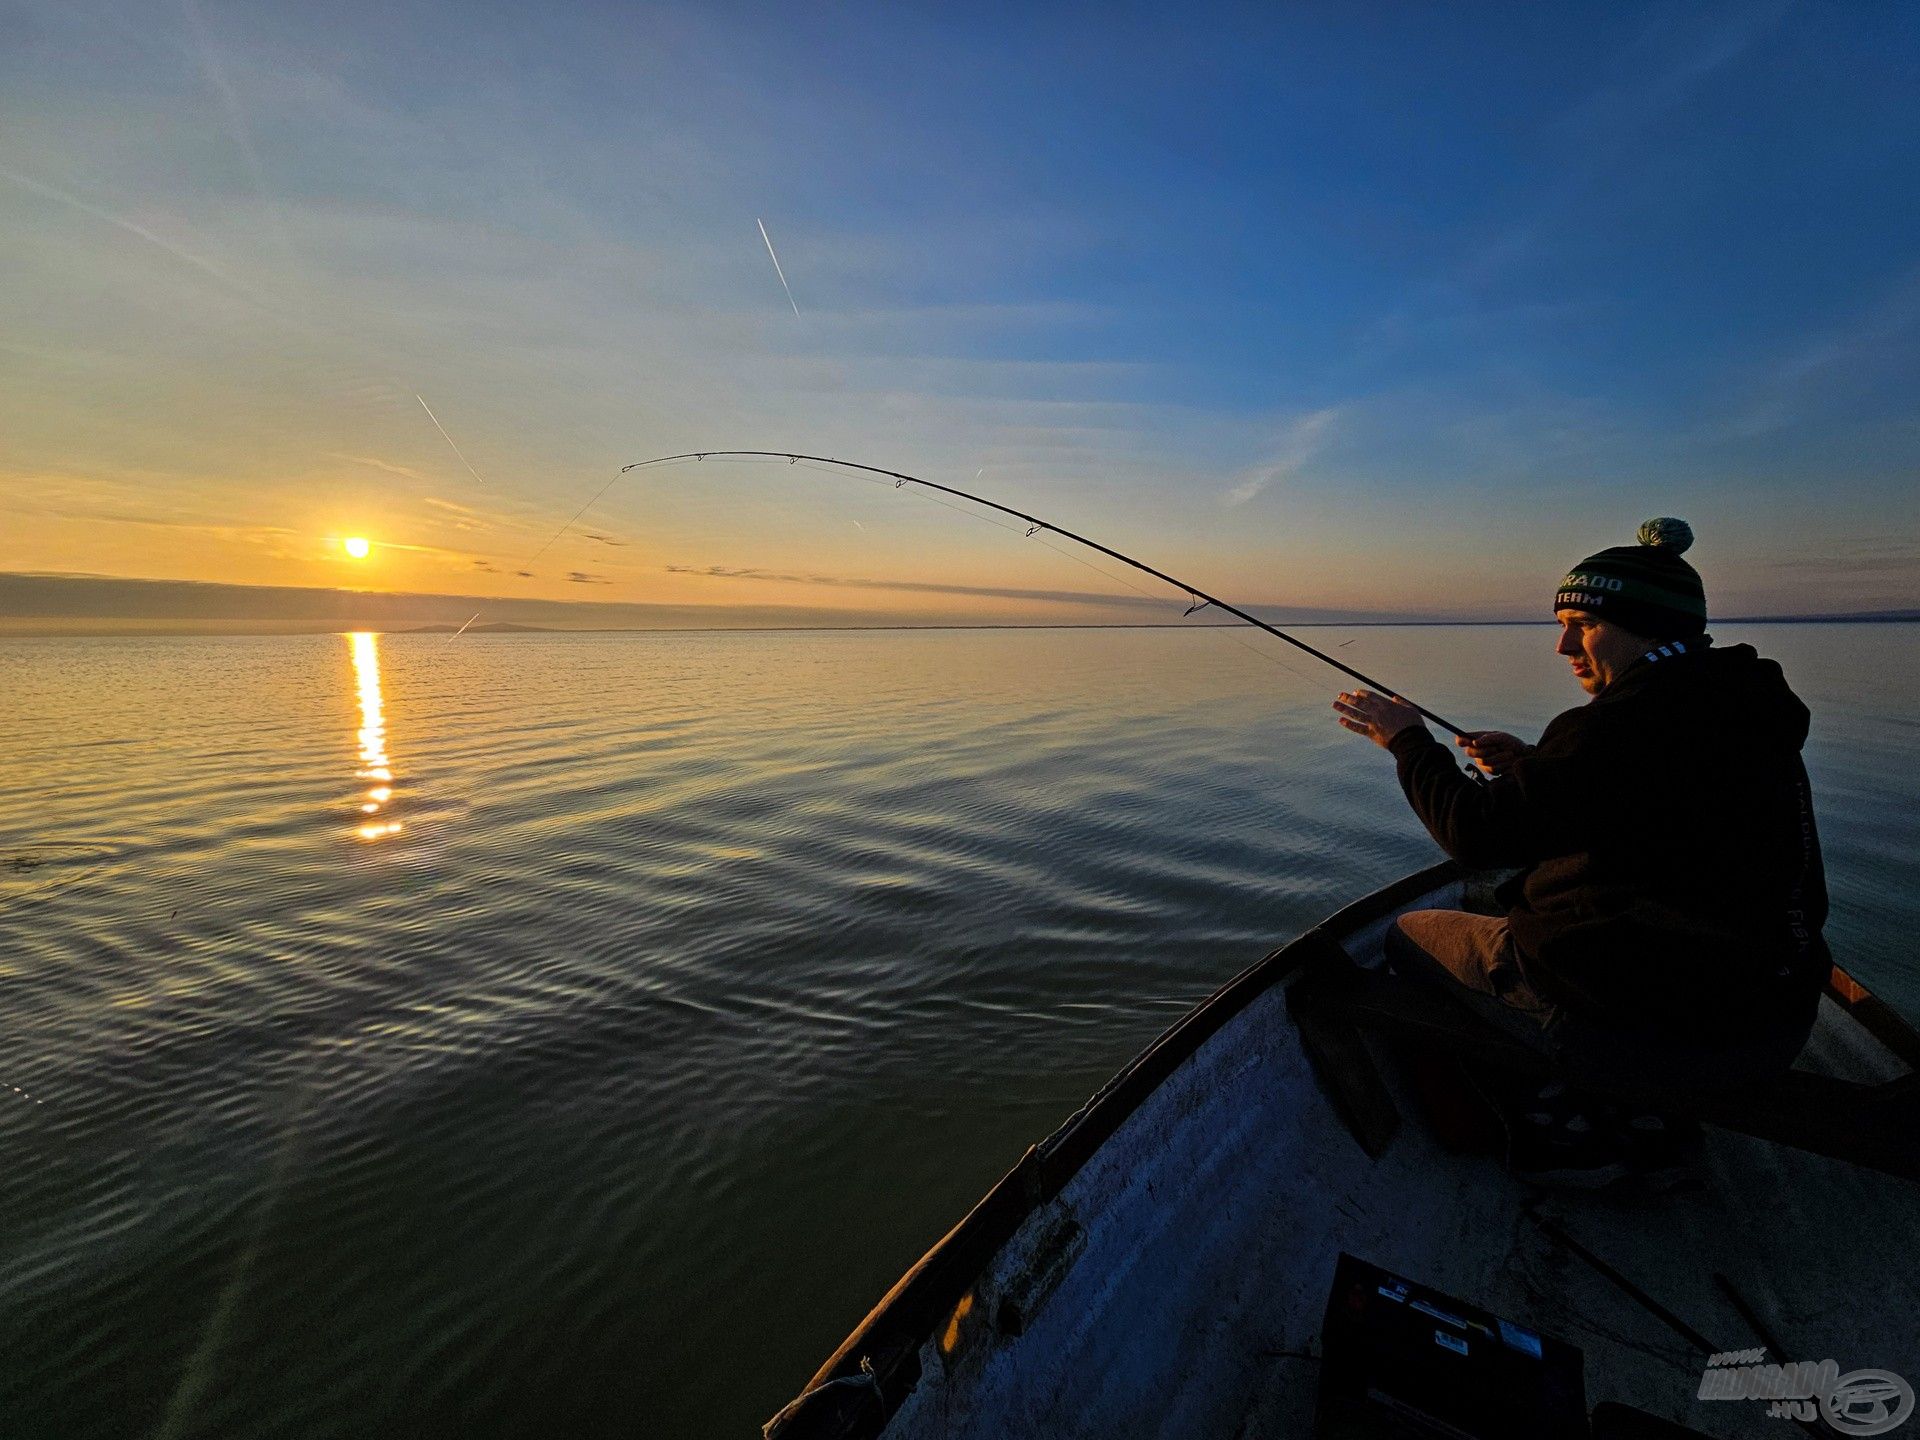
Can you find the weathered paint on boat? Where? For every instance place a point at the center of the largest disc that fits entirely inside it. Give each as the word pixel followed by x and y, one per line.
pixel 1160 1263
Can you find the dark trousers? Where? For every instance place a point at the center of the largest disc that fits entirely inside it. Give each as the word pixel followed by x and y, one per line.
pixel 1472 957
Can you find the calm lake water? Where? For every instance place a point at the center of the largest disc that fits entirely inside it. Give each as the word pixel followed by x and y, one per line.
pixel 576 1034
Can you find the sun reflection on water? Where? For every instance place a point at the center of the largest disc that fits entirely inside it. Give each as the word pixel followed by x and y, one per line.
pixel 375 764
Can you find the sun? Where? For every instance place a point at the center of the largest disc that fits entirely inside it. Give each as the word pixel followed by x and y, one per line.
pixel 358 546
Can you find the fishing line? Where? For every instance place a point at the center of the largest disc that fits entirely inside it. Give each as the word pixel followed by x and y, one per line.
pixel 972 515
pixel 1201 598
pixel 1100 570
pixel 1096 569
pixel 561 531
pixel 1222 631
pixel 820 464
pixel 543 549
pixel 569 525
pixel 1028 533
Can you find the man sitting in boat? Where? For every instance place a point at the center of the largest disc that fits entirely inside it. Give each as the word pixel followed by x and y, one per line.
pixel 1666 928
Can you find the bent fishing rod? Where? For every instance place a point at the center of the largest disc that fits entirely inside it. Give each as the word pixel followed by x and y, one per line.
pixel 1201 599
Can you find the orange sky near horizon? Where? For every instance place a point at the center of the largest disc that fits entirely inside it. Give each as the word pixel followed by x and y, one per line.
pixel 783 536
pixel 827 543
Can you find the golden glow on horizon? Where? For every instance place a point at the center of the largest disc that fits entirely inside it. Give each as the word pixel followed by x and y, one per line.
pixel 358 546
pixel 375 763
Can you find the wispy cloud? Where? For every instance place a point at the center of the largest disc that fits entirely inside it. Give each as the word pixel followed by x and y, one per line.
pixel 1670 61
pixel 1874 344
pixel 1677 53
pixel 416 549
pixel 462 517
pixel 927 587
pixel 388 466
pixel 582 577
pixel 1889 320
pixel 1301 441
pixel 131 227
pixel 237 126
pixel 1857 557
pixel 106 504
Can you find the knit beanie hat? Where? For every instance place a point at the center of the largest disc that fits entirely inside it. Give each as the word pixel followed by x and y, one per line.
pixel 1646 588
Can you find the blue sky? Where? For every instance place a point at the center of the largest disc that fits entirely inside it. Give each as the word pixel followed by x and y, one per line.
pixel 1366 307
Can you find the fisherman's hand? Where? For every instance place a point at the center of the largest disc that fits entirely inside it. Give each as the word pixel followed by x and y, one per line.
pixel 1378 717
pixel 1493 750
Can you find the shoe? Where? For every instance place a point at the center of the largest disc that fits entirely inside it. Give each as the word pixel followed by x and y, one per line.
pixel 1661 1150
pixel 1567 1150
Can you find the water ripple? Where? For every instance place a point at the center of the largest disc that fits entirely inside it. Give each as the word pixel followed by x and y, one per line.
pixel 701 982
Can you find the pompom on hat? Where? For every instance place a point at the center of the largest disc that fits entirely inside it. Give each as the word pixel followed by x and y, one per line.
pixel 1646 588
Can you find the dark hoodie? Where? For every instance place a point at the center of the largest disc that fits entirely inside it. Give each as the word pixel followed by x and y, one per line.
pixel 1674 878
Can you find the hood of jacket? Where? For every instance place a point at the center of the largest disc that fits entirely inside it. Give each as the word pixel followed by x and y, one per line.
pixel 1732 684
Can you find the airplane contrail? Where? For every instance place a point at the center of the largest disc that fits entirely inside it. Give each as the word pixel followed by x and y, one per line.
pixel 449 439
pixel 776 266
pixel 463 629
pixel 40 187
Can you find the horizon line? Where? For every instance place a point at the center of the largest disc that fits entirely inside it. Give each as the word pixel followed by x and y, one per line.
pixel 510 630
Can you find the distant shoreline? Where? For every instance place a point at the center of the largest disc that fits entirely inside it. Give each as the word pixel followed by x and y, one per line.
pixel 1867 618
pixel 65 604
pixel 162 630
